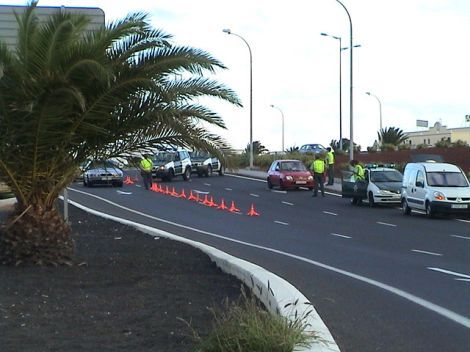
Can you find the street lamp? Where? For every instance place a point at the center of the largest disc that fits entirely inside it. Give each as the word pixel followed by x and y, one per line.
pixel 282 116
pixel 380 108
pixel 351 137
pixel 228 31
pixel 340 92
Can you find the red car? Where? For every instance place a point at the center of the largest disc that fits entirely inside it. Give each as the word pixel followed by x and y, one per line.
pixel 289 174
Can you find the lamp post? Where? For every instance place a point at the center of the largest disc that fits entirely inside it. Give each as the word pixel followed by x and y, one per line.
pixel 340 92
pixel 282 116
pixel 380 108
pixel 228 31
pixel 351 129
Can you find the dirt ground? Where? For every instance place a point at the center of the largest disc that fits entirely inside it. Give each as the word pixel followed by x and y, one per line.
pixel 127 292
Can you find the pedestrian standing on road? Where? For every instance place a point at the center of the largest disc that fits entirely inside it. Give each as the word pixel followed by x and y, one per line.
pixel 330 159
pixel 146 166
pixel 318 169
pixel 358 170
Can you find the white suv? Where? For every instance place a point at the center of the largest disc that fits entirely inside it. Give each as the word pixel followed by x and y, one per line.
pixel 168 164
pixel 435 188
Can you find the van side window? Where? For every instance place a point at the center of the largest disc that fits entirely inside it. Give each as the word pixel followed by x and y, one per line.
pixel 419 178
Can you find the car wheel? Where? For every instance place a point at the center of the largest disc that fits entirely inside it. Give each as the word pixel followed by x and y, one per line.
pixel 187 174
pixel 171 174
pixel 209 171
pixel 429 212
pixel 270 185
pixel 406 210
pixel 222 171
pixel 371 200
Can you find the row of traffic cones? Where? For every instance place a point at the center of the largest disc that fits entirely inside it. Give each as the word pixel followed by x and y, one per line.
pixel 207 201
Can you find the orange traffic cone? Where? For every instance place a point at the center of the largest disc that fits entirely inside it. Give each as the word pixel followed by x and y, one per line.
pixel 222 205
pixel 167 191
pixel 212 203
pixel 128 181
pixel 233 208
pixel 173 193
pixel 252 211
pixel 154 187
pixel 182 194
pixel 191 195
pixel 206 201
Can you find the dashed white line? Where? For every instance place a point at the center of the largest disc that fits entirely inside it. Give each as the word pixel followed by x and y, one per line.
pixel 386 224
pixel 287 203
pixel 462 220
pixel 207 184
pixel 138 186
pixel 464 237
pixel 464 277
pixel 426 252
pixel 338 235
pixel 228 189
pixel 276 191
pixel 330 213
pixel 281 223
pixel 254 195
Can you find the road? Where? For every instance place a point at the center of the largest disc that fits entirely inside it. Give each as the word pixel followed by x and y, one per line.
pixel 379 280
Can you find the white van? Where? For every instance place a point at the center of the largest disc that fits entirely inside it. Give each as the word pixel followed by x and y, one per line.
pixel 435 188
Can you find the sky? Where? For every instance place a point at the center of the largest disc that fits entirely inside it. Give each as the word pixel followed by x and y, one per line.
pixel 414 58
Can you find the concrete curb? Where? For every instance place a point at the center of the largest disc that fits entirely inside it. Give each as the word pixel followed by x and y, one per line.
pixel 9 202
pixel 271 289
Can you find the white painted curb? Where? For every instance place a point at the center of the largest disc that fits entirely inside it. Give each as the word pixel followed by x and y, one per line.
pixel 7 202
pixel 272 290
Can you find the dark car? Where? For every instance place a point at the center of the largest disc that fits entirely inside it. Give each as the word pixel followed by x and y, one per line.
pixel 314 148
pixel 289 174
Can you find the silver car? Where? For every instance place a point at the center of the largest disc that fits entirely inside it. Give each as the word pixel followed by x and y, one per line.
pixel 100 172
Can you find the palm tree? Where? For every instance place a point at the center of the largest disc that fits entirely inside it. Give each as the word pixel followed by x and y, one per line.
pixel 258 148
pixel 391 135
pixel 67 94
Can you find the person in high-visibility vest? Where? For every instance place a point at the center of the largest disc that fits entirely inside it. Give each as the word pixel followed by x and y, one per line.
pixel 146 166
pixel 358 170
pixel 318 168
pixel 330 159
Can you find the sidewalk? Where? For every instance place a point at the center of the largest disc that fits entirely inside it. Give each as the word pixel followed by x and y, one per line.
pixel 335 188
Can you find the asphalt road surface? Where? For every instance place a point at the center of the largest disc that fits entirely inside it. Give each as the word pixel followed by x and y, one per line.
pixel 380 281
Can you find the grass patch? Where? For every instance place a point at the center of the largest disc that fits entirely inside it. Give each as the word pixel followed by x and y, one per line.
pixel 245 326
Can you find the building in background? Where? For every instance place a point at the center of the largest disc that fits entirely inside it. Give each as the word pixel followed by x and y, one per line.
pixel 438 133
pixel 9 25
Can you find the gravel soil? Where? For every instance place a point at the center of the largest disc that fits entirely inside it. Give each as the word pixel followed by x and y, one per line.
pixel 126 292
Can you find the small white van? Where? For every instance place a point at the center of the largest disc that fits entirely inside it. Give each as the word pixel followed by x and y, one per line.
pixel 435 188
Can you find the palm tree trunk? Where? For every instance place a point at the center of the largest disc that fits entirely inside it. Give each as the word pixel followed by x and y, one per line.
pixel 36 235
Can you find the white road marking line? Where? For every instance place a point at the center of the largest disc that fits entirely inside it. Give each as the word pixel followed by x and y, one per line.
pixel 207 184
pixel 426 252
pixel 228 189
pixel 462 220
pixel 254 195
pixel 200 192
pixel 246 178
pixel 467 280
pixel 338 235
pixel 287 203
pixel 465 277
pixel 276 191
pixel 465 238
pixel 138 185
pixel 330 213
pixel 281 223
pixel 122 192
pixel 386 224
pixel 447 313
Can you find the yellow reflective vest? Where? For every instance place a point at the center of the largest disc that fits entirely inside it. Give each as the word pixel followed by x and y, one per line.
pixel 359 172
pixel 318 166
pixel 146 164
pixel 330 157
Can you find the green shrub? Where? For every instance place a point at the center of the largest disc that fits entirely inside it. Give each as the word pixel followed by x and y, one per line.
pixel 404 146
pixel 246 327
pixel 388 147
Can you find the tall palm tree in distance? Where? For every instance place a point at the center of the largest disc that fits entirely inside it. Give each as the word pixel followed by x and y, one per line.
pixel 391 135
pixel 67 94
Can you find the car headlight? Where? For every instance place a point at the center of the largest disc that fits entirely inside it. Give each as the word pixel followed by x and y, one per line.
pixel 439 196
pixel 383 192
pixel 289 178
pixel 310 178
pixel 161 168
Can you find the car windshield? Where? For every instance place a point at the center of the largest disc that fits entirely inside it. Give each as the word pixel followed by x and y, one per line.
pixel 163 157
pixel 386 176
pixel 101 164
pixel 293 166
pixel 199 154
pixel 446 179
